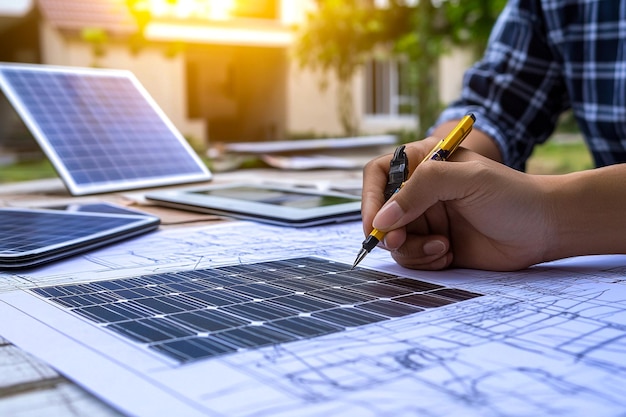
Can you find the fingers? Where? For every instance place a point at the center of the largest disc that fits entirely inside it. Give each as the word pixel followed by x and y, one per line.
pixel 431 252
pixel 424 252
pixel 431 183
pixel 375 175
pixel 374 180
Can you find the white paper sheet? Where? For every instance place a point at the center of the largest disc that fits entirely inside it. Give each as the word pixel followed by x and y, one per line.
pixel 547 341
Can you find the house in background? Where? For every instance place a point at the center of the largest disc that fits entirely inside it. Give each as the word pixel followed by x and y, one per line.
pixel 232 81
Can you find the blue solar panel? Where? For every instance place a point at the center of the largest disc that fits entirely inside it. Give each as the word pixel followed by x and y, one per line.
pixel 204 313
pixel 29 237
pixel 100 128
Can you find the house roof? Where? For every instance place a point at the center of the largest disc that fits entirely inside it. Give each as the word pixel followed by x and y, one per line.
pixel 112 16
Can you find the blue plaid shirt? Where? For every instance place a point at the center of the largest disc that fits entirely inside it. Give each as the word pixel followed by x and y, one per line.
pixel 545 57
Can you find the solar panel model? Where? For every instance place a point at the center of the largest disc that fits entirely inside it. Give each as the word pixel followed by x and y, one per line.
pixel 205 313
pixel 100 128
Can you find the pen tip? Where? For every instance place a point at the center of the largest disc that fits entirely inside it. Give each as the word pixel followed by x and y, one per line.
pixel 359 258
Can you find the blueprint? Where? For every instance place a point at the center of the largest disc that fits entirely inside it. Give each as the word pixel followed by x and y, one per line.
pixel 549 341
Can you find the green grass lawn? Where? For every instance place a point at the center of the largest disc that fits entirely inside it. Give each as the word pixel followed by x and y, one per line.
pixel 560 156
pixel 26 171
pixel 556 156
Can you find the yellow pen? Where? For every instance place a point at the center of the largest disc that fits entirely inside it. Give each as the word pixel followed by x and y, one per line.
pixel 440 152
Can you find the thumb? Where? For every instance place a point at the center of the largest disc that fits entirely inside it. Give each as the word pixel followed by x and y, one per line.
pixel 432 182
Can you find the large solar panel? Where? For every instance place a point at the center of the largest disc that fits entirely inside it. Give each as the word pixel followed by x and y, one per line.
pixel 100 128
pixel 198 314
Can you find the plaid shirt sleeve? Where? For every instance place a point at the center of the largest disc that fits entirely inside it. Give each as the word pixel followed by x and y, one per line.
pixel 516 91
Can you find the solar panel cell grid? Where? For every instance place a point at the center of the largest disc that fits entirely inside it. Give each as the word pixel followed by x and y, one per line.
pixel 29 237
pixel 191 315
pixel 27 231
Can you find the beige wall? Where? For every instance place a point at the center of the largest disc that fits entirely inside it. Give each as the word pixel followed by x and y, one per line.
pixel 310 110
pixel 315 112
pixel 451 69
pixel 163 77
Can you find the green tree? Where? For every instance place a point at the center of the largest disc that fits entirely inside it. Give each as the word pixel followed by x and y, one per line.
pixel 98 39
pixel 340 35
pixel 140 10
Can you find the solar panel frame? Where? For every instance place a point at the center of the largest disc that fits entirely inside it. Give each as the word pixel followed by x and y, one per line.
pixel 108 117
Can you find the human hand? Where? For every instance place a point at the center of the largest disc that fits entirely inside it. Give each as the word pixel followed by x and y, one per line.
pixel 470 212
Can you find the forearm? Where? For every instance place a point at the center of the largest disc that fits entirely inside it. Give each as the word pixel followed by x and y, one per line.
pixel 476 141
pixel 588 212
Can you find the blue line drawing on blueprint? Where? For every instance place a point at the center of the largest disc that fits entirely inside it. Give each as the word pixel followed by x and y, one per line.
pixel 527 354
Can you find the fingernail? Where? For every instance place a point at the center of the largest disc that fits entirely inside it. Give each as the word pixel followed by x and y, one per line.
pixel 388 216
pixel 434 247
pixel 384 245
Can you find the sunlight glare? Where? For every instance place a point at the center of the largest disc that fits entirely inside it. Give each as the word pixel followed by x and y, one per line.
pixel 182 9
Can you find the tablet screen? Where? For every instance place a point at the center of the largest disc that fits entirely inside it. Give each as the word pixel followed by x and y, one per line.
pixel 277 197
pixel 265 203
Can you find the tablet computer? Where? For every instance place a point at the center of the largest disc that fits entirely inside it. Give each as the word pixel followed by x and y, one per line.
pixel 30 237
pixel 264 203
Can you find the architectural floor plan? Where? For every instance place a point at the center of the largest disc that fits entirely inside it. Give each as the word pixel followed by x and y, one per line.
pixel 549 340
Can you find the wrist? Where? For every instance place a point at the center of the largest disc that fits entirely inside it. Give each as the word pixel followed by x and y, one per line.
pixel 586 213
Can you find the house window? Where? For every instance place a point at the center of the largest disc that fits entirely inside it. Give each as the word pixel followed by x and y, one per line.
pixel 388 89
